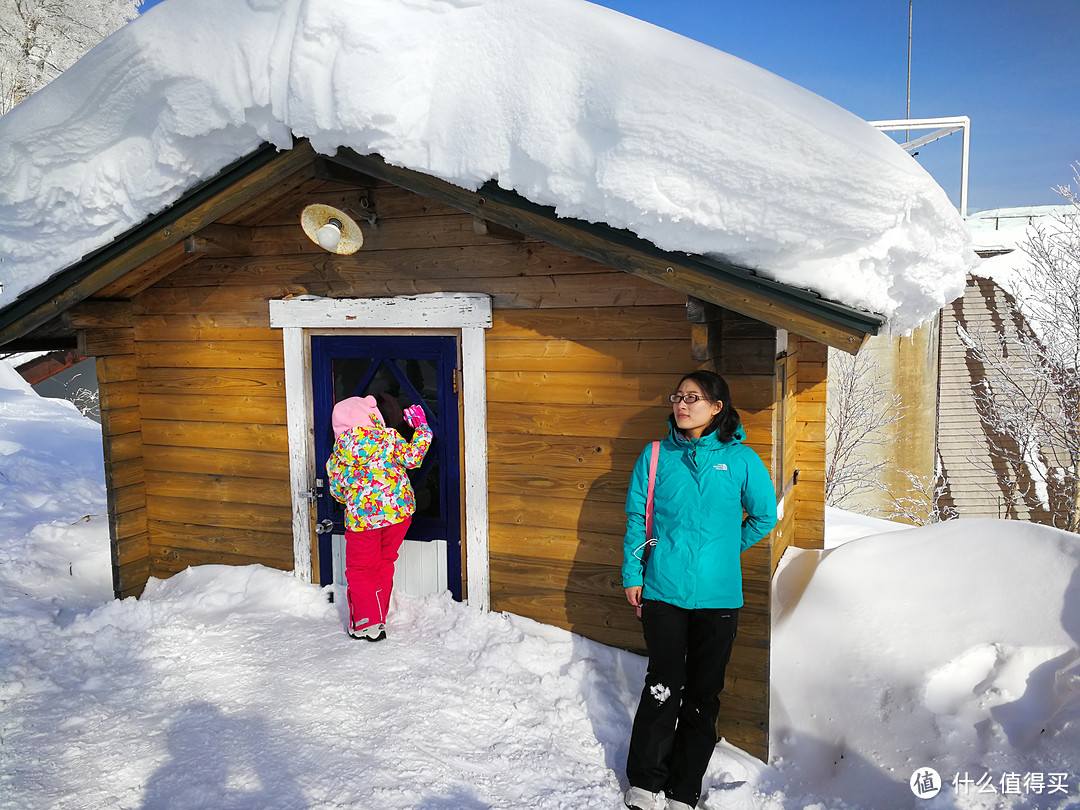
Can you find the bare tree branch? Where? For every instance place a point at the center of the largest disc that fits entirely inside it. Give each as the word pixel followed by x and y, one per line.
pixel 39 39
pixel 860 407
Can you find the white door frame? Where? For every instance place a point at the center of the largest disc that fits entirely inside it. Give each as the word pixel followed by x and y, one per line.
pixel 471 313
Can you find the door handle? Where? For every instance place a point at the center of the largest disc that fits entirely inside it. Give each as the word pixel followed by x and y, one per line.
pixel 324 526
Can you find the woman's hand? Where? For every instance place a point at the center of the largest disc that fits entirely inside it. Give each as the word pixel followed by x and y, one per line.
pixel 633 595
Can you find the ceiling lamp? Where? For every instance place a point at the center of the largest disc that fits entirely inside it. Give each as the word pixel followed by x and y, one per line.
pixel 331 229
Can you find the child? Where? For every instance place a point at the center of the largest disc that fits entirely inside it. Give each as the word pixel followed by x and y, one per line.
pixel 367 474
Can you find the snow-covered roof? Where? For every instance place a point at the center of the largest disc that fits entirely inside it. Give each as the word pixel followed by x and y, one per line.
pixel 1004 236
pixel 602 116
pixel 1002 233
pixel 1001 219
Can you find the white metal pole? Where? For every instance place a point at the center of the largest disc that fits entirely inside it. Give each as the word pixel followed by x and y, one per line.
pixel 964 168
pixel 908 108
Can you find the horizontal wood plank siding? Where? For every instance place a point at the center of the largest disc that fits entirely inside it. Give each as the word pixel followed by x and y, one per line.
pixel 564 440
pixel 745 355
pixel 574 394
pixel 974 488
pixel 124 470
pixel 809 435
pixel 213 414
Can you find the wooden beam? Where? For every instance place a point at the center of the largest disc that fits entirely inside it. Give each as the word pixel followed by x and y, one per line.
pixel 654 265
pixel 334 172
pixel 107 342
pixel 221 240
pixel 483 227
pixel 146 275
pixel 226 241
pixel 706 322
pixel 99 315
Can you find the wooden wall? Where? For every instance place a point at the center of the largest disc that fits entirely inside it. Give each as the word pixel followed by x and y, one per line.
pixel 784 452
pixel 580 359
pixel 810 376
pixel 107 335
pixel 573 397
pixel 744 352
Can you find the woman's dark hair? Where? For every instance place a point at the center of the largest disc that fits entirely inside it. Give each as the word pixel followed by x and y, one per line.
pixel 715 388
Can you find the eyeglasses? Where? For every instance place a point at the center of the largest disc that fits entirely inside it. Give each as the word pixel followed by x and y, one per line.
pixel 689 399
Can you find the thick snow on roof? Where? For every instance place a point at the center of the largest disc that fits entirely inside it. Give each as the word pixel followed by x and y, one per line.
pixel 604 117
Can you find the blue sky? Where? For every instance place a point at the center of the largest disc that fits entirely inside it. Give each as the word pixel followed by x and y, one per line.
pixel 1009 65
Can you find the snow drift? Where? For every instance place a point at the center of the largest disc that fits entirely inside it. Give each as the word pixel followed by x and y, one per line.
pixel 954 646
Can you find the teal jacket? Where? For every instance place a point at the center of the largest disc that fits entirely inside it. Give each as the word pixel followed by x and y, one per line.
pixel 702 490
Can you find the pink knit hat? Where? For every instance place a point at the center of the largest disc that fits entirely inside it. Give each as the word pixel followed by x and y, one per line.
pixel 355 412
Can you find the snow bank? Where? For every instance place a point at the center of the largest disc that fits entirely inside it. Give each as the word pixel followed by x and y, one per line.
pixel 53 517
pixel 607 118
pixel 842 526
pixel 953 647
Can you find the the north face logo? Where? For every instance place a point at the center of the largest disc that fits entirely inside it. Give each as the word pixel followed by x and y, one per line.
pixel 720 467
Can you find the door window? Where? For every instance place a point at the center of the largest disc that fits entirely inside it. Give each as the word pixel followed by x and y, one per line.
pixel 411 370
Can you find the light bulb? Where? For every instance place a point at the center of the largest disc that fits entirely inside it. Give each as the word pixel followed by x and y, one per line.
pixel 328 236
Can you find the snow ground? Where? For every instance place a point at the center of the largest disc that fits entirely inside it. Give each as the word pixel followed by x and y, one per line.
pixel 953 647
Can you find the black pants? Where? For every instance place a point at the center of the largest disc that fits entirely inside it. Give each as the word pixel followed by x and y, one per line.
pixel 675 726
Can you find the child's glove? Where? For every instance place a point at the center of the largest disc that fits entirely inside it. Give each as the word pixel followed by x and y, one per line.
pixel 415 416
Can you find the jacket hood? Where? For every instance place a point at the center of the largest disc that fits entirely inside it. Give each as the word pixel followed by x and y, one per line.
pixel 355 412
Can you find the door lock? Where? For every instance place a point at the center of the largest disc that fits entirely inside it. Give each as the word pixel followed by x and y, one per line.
pixel 315 492
pixel 324 526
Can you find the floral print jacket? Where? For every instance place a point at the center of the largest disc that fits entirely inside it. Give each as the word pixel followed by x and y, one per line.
pixel 367 474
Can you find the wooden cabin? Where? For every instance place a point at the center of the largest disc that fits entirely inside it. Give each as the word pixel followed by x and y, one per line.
pixel 545 347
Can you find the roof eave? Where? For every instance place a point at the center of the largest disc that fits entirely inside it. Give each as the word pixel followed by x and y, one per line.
pixel 800 311
pixel 736 288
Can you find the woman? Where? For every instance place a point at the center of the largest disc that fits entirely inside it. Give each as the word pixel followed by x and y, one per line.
pixel 690 589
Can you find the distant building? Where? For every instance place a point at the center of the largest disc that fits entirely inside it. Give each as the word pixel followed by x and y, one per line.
pixel 977 483
pixel 60 374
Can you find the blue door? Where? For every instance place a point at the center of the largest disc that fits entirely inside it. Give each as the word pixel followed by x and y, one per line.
pixel 412 370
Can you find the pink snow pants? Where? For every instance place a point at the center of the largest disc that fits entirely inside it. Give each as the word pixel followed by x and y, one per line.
pixel 369 571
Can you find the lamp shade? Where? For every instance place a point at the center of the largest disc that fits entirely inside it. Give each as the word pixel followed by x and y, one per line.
pixel 331 229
